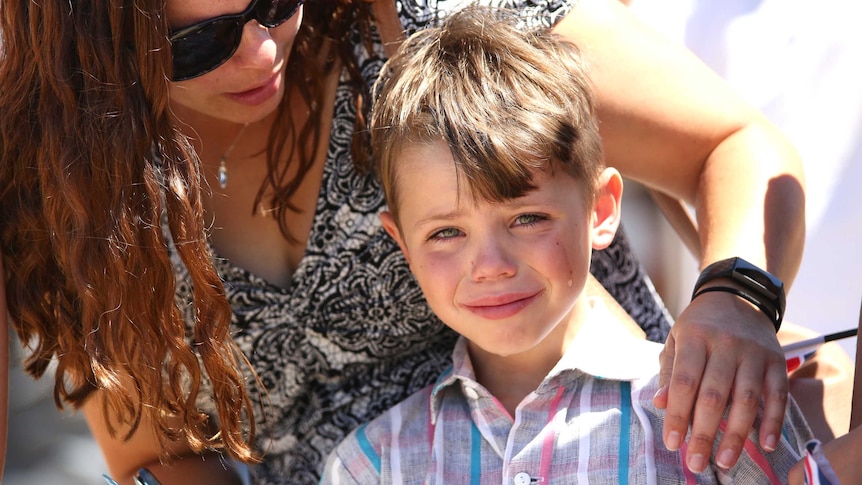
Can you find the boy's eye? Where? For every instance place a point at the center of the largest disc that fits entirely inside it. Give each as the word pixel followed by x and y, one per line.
pixel 528 219
pixel 447 233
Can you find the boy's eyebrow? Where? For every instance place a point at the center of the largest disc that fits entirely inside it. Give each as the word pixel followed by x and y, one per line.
pixel 438 217
pixel 446 216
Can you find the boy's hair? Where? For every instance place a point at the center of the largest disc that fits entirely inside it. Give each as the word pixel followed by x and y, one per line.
pixel 506 101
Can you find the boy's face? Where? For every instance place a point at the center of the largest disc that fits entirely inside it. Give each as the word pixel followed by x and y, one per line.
pixel 504 275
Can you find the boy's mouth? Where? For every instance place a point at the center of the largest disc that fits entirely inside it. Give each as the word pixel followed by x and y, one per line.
pixel 496 307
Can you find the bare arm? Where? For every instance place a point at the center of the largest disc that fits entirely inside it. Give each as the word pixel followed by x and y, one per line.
pixel 125 458
pixel 671 123
pixel 843 456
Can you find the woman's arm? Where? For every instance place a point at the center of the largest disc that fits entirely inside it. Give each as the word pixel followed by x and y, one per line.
pixel 125 458
pixel 672 124
pixel 843 456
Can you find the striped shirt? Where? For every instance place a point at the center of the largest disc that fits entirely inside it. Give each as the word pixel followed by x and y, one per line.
pixel 591 420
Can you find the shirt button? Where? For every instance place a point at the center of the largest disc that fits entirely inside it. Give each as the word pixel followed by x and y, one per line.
pixel 471 393
pixel 522 479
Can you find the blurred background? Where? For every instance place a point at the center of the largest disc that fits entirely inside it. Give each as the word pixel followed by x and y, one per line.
pixel 46 447
pixel 799 62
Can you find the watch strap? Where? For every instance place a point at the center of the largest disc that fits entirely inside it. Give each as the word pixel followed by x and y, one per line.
pixel 769 311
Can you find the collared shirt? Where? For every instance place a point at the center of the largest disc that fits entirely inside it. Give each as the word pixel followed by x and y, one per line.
pixel 591 420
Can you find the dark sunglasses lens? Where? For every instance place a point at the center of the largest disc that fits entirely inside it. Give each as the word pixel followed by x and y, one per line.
pixel 210 45
pixel 204 49
pixel 272 13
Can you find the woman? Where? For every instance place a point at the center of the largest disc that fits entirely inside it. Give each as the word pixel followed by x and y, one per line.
pixel 160 186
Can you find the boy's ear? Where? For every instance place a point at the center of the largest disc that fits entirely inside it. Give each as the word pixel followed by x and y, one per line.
pixel 392 229
pixel 607 208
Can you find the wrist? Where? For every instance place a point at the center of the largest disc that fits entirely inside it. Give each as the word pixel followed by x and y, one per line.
pixel 745 280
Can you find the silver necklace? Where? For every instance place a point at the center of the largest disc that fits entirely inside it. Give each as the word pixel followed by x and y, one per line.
pixel 222 163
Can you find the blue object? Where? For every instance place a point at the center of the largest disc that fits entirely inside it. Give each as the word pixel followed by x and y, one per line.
pixel 144 477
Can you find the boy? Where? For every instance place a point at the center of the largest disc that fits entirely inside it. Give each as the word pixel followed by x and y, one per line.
pixel 490 158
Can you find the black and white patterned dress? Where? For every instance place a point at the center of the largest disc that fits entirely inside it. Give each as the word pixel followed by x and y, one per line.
pixel 353 335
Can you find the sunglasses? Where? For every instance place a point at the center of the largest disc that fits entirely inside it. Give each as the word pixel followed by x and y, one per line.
pixel 204 46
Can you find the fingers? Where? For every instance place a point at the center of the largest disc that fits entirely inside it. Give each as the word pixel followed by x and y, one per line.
pixel 712 397
pixel 725 378
pixel 665 371
pixel 713 358
pixel 744 405
pixel 682 387
pixel 751 384
pixel 775 392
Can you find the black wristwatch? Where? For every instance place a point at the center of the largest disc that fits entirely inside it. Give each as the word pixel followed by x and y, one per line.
pixel 761 288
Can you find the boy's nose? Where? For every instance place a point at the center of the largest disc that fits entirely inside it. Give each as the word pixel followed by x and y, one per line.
pixel 491 260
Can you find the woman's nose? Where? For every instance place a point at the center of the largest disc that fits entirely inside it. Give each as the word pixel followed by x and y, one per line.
pixel 257 47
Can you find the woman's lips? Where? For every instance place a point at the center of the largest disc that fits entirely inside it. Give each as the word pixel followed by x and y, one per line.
pixel 259 94
pixel 502 306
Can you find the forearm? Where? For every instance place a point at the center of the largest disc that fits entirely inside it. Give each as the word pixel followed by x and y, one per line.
pixel 144 450
pixel 209 468
pixel 751 202
pixel 843 457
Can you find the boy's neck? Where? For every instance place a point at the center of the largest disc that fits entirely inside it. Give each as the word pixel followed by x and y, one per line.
pixel 511 378
pixel 509 381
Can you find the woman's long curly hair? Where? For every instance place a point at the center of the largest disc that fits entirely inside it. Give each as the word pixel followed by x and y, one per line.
pixel 90 160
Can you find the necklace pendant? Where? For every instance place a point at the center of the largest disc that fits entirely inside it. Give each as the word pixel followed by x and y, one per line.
pixel 222 165
pixel 222 174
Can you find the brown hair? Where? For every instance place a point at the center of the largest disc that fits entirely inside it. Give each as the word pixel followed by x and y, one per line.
pixel 90 161
pixel 507 102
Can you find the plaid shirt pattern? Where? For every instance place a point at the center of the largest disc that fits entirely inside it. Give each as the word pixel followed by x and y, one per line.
pixel 590 421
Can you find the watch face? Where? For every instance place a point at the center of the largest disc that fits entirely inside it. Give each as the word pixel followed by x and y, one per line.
pixel 769 284
pixel 763 288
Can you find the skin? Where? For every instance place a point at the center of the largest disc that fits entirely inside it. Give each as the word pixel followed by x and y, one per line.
pixel 246 89
pixel 684 138
pixel 843 456
pixel 508 276
pixel 249 86
pixel 215 106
